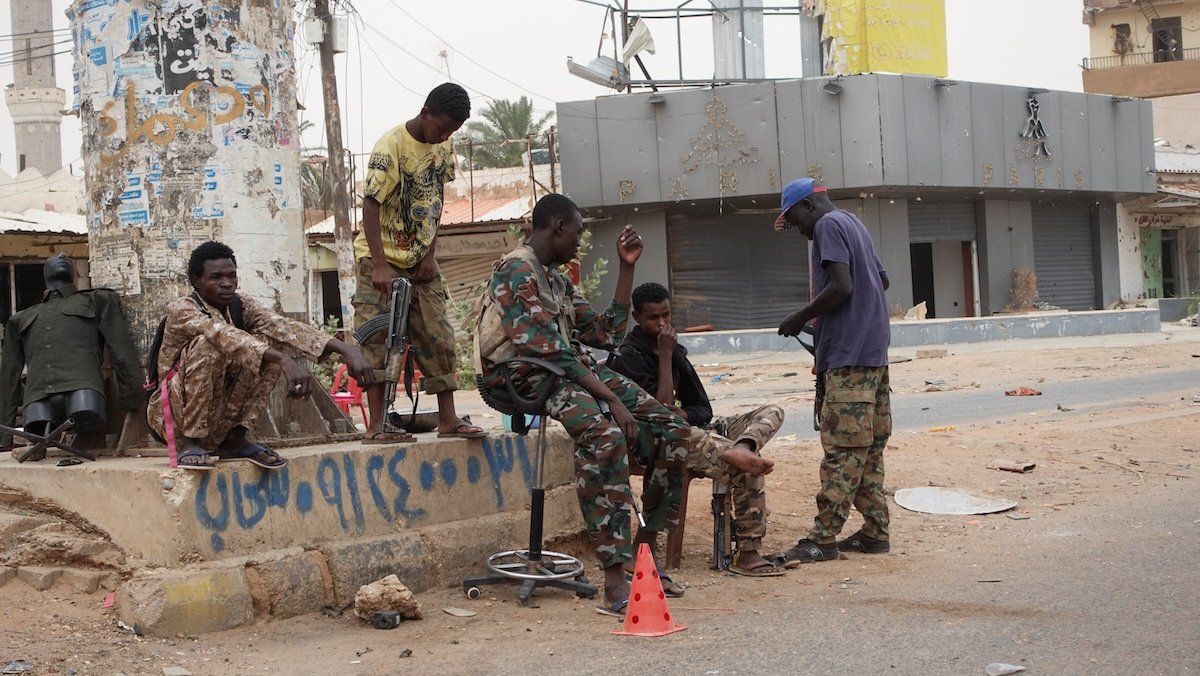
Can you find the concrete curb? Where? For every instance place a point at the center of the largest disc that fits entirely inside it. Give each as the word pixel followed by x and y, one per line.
pixel 234 592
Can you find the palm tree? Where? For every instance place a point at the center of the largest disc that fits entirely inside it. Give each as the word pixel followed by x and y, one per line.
pixel 315 185
pixel 504 119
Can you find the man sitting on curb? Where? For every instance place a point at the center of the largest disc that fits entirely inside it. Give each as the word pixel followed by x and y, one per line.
pixel 651 357
pixel 217 366
pixel 531 309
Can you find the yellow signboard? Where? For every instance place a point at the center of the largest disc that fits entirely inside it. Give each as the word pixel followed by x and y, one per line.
pixel 883 36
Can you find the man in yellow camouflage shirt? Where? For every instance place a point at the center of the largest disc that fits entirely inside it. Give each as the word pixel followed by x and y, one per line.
pixel 402 207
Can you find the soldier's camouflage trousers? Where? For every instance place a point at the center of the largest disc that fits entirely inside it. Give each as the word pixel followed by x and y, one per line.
pixel 856 421
pixel 748 492
pixel 602 463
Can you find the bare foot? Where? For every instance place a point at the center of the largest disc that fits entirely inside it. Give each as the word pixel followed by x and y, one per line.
pixel 616 587
pixel 750 558
pixel 739 456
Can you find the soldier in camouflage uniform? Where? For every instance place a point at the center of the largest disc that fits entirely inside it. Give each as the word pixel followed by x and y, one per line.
pixel 724 449
pixel 220 357
pixel 853 336
pixel 532 310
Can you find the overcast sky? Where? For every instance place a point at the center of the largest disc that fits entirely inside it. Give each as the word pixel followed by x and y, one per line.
pixel 509 48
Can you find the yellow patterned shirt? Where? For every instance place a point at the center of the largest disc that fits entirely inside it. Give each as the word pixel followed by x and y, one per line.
pixel 407 178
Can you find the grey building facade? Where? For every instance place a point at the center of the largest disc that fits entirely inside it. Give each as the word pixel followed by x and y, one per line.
pixel 959 182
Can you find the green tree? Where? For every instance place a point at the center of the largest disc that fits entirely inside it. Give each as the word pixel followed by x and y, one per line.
pixel 316 185
pixel 506 120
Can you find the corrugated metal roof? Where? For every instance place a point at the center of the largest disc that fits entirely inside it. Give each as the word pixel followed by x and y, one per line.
pixel 37 221
pixel 458 212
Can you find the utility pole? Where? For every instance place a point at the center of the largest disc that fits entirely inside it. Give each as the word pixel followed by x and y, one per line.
pixel 342 235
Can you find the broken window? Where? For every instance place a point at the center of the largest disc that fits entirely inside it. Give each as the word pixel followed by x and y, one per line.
pixel 1167 39
pixel 1122 38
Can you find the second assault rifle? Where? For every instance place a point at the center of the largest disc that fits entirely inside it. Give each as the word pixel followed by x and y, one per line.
pixel 395 322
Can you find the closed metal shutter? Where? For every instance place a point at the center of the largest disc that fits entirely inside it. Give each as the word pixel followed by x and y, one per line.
pixel 941 221
pixel 1064 256
pixel 735 271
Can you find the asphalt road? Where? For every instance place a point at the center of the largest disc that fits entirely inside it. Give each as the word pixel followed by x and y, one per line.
pixel 922 410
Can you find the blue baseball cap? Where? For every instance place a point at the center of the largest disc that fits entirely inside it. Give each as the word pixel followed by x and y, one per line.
pixel 793 193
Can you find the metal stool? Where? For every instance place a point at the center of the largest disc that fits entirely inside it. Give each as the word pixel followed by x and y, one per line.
pixel 533 567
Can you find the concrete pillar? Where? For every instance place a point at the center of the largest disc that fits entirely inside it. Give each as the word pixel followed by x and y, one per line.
pixel 1129 254
pixel 34 100
pixel 1108 258
pixel 1004 242
pixel 189 134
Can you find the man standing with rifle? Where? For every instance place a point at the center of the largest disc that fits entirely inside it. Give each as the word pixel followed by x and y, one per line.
pixel 853 336
pixel 402 208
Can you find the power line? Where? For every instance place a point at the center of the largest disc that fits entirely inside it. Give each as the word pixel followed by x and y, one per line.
pixel 34 58
pixel 25 50
pixel 468 56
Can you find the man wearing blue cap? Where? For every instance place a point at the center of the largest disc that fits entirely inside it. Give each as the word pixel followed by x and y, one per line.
pixel 852 341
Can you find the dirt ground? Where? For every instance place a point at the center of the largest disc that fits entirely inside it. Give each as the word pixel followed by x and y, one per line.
pixel 1092 463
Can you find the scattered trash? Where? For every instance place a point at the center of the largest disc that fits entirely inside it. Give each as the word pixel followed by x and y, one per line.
pixel 176 671
pixel 789 374
pixel 386 619
pixel 110 600
pixel 717 378
pixel 1012 465
pixel 944 428
pixel 787 437
pixel 899 360
pixel 1018 517
pixel 1064 409
pixel 364 651
pixel 1194 320
pixel 407 652
pixel 1023 392
pixel 989 580
pixel 937 500
pixel 17 667
pixel 459 612
pixel 69 462
pixel 126 627
pixel 333 611
pixel 1001 669
pixel 918 311
pixel 386 595
pixel 932 354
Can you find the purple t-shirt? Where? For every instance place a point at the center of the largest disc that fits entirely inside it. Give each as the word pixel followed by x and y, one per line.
pixel 857 333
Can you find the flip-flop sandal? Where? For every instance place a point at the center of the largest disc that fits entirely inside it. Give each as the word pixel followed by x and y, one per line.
pixel 463 435
pixel 204 463
pixel 254 454
pixel 757 570
pixel 666 580
pixel 388 438
pixel 615 610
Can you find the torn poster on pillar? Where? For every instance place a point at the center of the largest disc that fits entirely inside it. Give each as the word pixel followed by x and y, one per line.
pixel 211 205
pixel 135 205
pixel 114 265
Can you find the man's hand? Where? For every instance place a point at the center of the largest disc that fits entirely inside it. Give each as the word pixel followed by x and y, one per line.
pixel 357 366
pixel 629 246
pixel 427 270
pixel 381 279
pixel 667 340
pixel 794 324
pixel 626 421
pixel 300 383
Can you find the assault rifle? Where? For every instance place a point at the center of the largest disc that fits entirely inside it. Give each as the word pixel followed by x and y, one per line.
pixel 395 322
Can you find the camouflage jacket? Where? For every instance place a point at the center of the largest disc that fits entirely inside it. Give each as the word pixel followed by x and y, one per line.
pixel 534 319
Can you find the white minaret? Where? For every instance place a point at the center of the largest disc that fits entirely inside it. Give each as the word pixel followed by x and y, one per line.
pixel 33 99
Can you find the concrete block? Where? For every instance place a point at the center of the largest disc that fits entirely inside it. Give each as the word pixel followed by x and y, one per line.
pixel 40 578
pixel 86 581
pixel 6 574
pixel 293 585
pixel 460 548
pixel 353 563
pixel 187 602
pixel 12 524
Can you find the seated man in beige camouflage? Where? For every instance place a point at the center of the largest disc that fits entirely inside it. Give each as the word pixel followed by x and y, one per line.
pixel 723 449
pixel 215 363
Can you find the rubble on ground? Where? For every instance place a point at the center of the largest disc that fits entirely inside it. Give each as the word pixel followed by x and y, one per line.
pixel 386 594
pixel 1194 320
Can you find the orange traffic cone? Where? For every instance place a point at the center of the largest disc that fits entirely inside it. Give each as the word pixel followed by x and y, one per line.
pixel 647 613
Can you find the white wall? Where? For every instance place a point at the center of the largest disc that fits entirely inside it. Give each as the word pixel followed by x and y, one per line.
pixel 1129 255
pixel 949 294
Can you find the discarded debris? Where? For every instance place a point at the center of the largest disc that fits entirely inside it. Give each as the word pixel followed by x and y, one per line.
pixel 407 652
pixel 789 374
pixel 719 377
pixel 944 428
pixel 787 438
pixel 1001 669
pixel 388 594
pixel 17 667
pixel 386 619
pixel 1018 517
pixel 1012 465
pixel 175 671
pixel 936 500
pixel 459 612
pixel 1064 409
pixel 1023 392
pixel 1194 320
pixel 110 600
pixel 932 354
pixel 918 311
